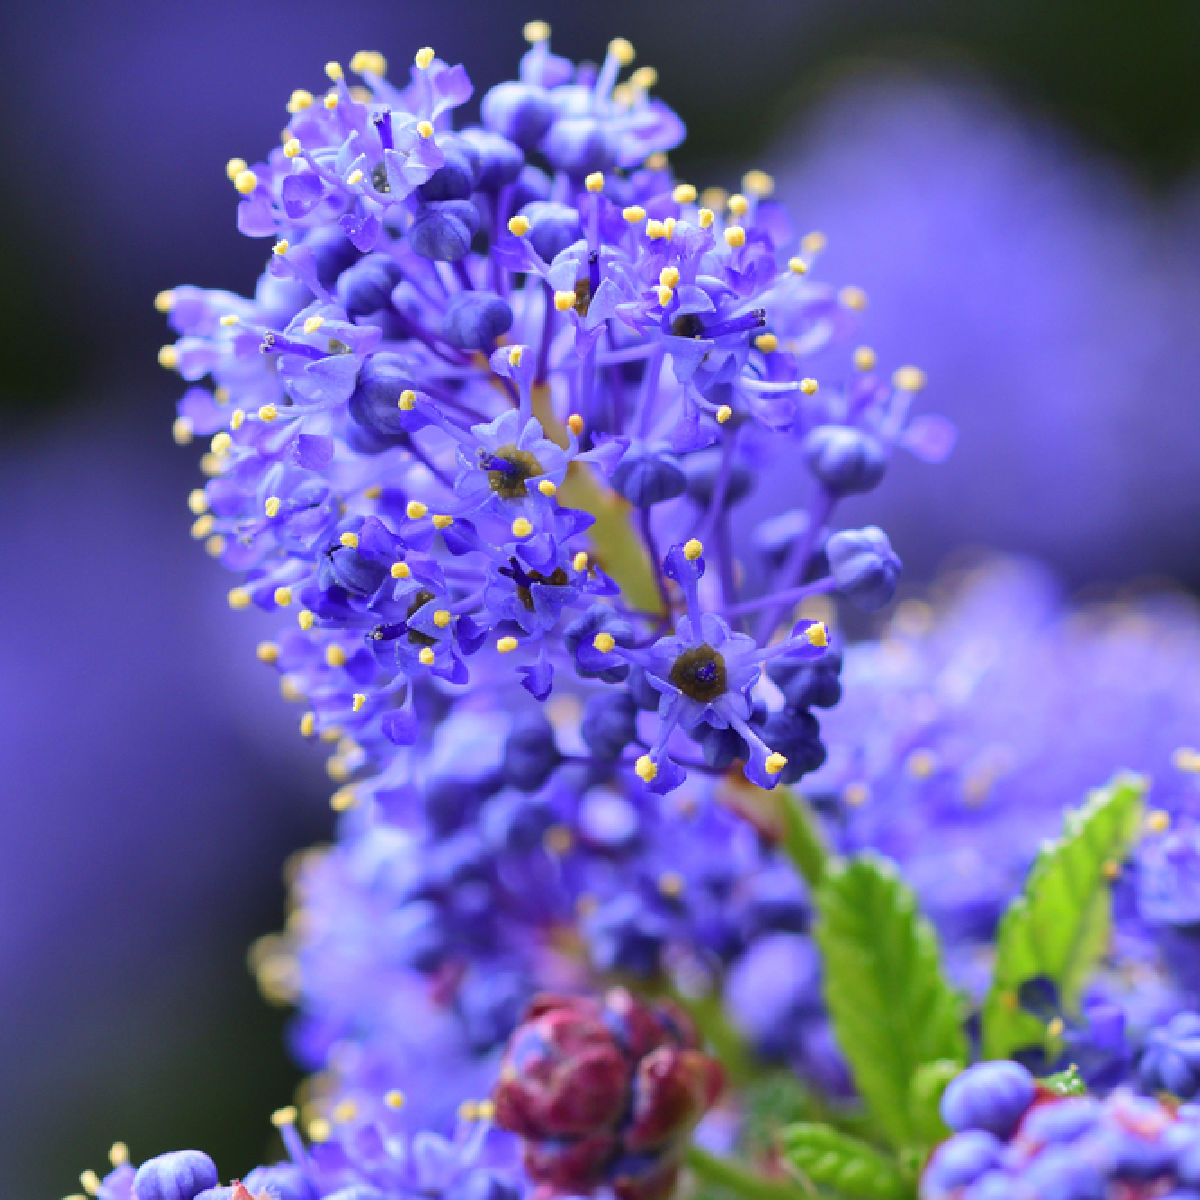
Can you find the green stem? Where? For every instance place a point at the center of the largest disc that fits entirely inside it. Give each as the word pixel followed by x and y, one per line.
pixel 739 1179
pixel 726 1042
pixel 802 841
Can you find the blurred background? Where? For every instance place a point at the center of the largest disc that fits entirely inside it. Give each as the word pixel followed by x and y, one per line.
pixel 1015 183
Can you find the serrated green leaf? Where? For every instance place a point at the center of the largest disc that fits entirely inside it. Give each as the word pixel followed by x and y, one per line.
pixel 853 1169
pixel 891 1004
pixel 1059 926
pixel 925 1097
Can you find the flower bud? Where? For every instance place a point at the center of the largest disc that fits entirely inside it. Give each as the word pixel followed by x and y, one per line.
pixel 552 227
pixel 474 320
pixel 864 566
pixel 846 460
pixel 1170 1061
pixel 647 476
pixel 991 1096
pixel 366 287
pixel 518 111
pixel 443 231
pixel 179 1175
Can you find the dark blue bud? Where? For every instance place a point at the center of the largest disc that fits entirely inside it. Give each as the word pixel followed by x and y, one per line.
pixel 514 822
pixel 351 571
pixel 795 734
pixel 498 161
pixel 375 401
pixel 647 476
pixel 552 227
pixel 518 111
pixel 846 460
pixel 624 936
pixel 704 467
pixel 532 186
pixel 959 1161
pixel 366 287
pixel 455 178
pixel 332 252
pixel 579 146
pixel 443 231
pixel 992 1096
pixel 448 802
pixel 609 723
pixel 530 752
pixel 283 1181
pixel 474 320
pixel 179 1175
pixel 809 684
pixel 1170 1060
pixel 864 566
pixel 484 1184
pixel 721 747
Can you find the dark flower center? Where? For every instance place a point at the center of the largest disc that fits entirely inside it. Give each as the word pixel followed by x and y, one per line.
pixel 508 469
pixel 700 673
pixel 687 325
pixel 415 636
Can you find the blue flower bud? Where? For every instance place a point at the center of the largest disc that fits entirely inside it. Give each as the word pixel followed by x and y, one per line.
pixel 623 935
pixel 351 571
pixel 1170 1061
pixel 846 460
pixel 455 178
pixel 443 231
pixel 578 146
pixel 703 469
pixel 448 801
pixel 795 734
pixel 552 227
pixel 474 320
pixel 992 1096
pixel 518 111
pixel 366 287
pixel 530 752
pixel 646 476
pixel 864 566
pixel 332 251
pixel 179 1175
pixel 609 723
pixel 498 161
pixel 809 684
pixel 532 187
pixel 722 747
pixel 960 1161
pixel 375 401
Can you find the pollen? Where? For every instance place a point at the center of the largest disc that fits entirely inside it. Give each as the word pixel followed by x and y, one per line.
pixel 441 618
pixel 164 301
pixel 306 619
pixel 266 652
pixel 564 301
pixel 313 324
pixel 354 178
pixel 283 596
pixel 684 193
pixel 655 230
pixel 921 764
pixel 738 204
pixel 202 527
pixel 283 1116
pixel 168 357
pixel 426 656
pixel 234 167
pixel 622 50
pixel 706 217
pixel 343 799
pixel 506 645
pixel 415 510
pixel 268 413
pixel 665 296
pixel 425 129
pixel 735 236
pixel 271 508
pixel 646 768
pixel 333 70
pixel 548 487
pixel 118 1154
pixel 349 539
pixel 197 501
pixel 580 561
pixel 221 444
pixel 575 424
pixel 395 1099
pixel 331 101
pixel 291 148
pixel 853 298
pixel 775 763
pixel 318 1129
pixel 864 358
pixel 299 100
pixel 644 78
pixel 809 386
pixel 604 642
pixel 723 414
pixel 238 598
pixel 692 549
pixel 407 401
pixel 908 379
pixel 237 419
pixel 368 62
pixel 229 320
pixel 558 840
pixel 424 58
pixel 671 884
pixel 308 724
pixel 812 243
pixel 594 182
pixel 817 634
pixel 518 226
pixel 281 247
pixel 515 354
pixel 668 277
pixel 1158 821
pixel 1186 759
pixel 768 343
pixel 245 182
pixel 400 570
pixel 335 656
pixel 635 214
pixel 90 1181
pixel 522 527
pixel 797 265
pixel 442 521
pixel 358 700
pixel 758 183
pixel 536 31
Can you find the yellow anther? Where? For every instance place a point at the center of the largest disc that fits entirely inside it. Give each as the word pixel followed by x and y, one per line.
pixel 344 799
pixel 425 128
pixel 331 733
pixel 283 1116
pixel 271 508
pixel 237 419
pixel 442 521
pixel 335 656
pixel 506 645
pixel 1158 821
pixel 197 501
pixel 656 230
pixel 368 62
pixel 349 539
pixel 266 652
pixel 468 1110
pixel 442 618
pixel 164 301
pixel 331 101
pixel 564 301
pixel 536 31
pixel 394 1099
pixel 306 619
pixel 313 324
pixel 1186 759
pixel 643 79
pixel 281 247
pixel 221 444
pixel 246 182
pixel 558 840
pixel 289 689
pixel 548 487
pixel 334 71
pixel 118 1154
pixel 646 768
pixel 229 320
pixel 622 50
pixel 604 642
pixel 635 214
pixel 1112 870
pixel 775 763
pixel 723 414
pixel 594 182
pixel 355 178
pixel 337 769
pixel 921 764
pixel 400 570
pixel 735 236
pixel 1056 1028
pixel 415 510
pixel 234 167
pixel 308 724
pixel 768 343
pixel 168 357
pixel 692 549
pixel 738 204
pixel 669 226
pixel 268 412
pixel 291 148
pixel 684 193
pixel 283 596
pixel 671 884
pixel 408 400
pixel 426 656
pixel 515 354
pixel 318 1129
pixel 215 546
pixel 358 700
pixel 669 277
pixel 202 527
pixel 424 57
pixel 797 266
pixel 817 634
pixel 706 217
pixel 575 424
pixel 580 561
pixel 665 295
pixel 518 226
pixel 221 395
pixel 809 386
pixel 522 527
pixel 853 298
pixel 90 1181
pixel 758 183
pixel 238 597
pixel 812 243
pixel 908 379
pixel 864 358
pixel 299 100
pixel 485 1110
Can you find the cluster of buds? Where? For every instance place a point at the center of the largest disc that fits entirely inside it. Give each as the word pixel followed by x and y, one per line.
pixel 604 1092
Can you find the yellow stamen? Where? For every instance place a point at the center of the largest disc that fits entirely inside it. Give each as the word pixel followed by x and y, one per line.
pixel 768 343
pixel 267 652
pixel 594 182
pixel 164 301
pixel 506 645
pixel 692 549
pixel 291 148
pixel 426 656
pixel 809 386
pixel 401 570
pixel 415 510
pixel 646 768
pixel 518 226
pixel 635 214
pixel 684 193
pixel 723 414
pixel 564 301
pixel 245 182
pixel 306 619
pixel 238 598
pixel 536 31
pixel 299 100
pixel 271 508
pixel 775 763
pixel 864 358
pixel 735 236
pixel 522 527
pixel 349 539
pixel 604 642
pixel 335 656
pixel 908 379
pixel 548 487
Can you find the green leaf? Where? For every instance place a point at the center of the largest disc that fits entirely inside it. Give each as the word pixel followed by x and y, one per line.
pixel 891 1005
pixel 1059 926
pixel 1065 1083
pixel 925 1098
pixel 829 1159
